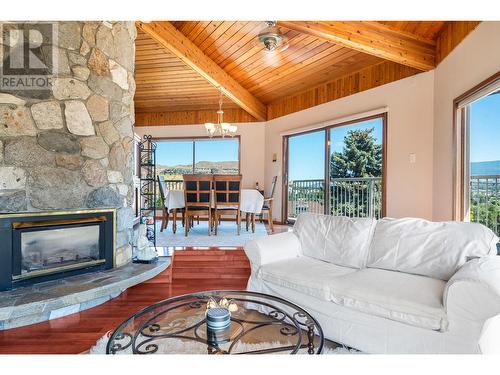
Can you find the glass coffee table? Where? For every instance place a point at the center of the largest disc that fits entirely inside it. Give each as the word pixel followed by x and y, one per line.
pixel 262 324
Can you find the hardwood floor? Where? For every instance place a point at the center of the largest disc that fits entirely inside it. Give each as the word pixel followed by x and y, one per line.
pixel 192 270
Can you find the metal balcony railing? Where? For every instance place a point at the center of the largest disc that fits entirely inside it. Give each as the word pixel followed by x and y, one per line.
pixel 485 201
pixel 174 184
pixel 353 197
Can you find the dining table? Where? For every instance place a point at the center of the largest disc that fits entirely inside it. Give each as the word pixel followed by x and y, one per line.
pixel 251 202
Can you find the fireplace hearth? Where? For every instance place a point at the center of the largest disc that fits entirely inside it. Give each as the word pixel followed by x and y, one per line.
pixel 43 246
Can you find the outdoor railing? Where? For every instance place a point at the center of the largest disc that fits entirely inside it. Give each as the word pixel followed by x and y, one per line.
pixel 305 196
pixel 485 201
pixel 353 197
pixel 356 197
pixel 174 184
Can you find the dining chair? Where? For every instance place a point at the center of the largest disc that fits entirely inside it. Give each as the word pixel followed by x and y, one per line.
pixel 198 199
pixel 166 211
pixel 227 197
pixel 267 207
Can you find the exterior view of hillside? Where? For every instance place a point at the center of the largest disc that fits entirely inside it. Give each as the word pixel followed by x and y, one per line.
pixel 175 172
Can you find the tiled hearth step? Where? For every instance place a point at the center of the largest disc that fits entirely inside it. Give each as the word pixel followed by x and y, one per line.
pixel 55 299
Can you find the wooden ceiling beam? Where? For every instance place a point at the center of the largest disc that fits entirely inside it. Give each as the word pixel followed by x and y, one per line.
pixel 169 37
pixel 372 38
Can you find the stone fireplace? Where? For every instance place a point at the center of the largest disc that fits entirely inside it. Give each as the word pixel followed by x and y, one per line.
pixel 71 147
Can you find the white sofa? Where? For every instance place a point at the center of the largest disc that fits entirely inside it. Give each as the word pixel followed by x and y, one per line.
pixel 387 286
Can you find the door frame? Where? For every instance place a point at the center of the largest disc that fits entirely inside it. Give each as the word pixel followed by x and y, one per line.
pixel 284 183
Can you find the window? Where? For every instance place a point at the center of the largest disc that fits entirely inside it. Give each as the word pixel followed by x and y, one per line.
pixel 478 136
pixel 176 157
pixel 216 156
pixel 337 170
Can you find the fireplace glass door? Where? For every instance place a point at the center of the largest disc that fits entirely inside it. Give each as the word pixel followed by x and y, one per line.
pixel 43 249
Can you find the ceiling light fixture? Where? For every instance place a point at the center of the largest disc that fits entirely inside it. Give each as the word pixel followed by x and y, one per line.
pixel 220 128
pixel 272 39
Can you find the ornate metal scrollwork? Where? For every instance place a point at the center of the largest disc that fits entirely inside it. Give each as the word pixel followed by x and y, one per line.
pixel 120 346
pixel 290 321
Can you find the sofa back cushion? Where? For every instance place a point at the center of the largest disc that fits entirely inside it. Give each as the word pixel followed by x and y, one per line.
pixel 311 229
pixel 433 249
pixel 339 240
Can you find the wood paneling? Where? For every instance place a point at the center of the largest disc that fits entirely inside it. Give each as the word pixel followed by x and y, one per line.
pixel 425 29
pixel 353 83
pixel 182 47
pixel 190 117
pixel 313 70
pixel 165 83
pixel 373 38
pixel 451 35
pixel 308 61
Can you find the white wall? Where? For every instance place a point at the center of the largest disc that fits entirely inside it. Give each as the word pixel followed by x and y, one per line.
pixel 251 145
pixel 470 63
pixel 409 104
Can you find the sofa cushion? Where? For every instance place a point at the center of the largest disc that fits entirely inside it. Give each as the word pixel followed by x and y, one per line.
pixel 434 249
pixel 340 240
pixel 348 241
pixel 305 275
pixel 411 299
pixel 311 229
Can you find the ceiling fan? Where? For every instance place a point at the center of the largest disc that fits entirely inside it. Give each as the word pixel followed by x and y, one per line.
pixel 272 39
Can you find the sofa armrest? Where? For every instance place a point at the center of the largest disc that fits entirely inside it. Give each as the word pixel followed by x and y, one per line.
pixel 272 249
pixel 473 292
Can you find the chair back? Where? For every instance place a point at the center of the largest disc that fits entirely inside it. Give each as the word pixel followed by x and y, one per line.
pixel 162 188
pixel 198 190
pixel 227 190
pixel 273 187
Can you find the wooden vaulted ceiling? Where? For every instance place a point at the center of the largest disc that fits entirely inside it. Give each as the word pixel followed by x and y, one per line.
pixel 179 64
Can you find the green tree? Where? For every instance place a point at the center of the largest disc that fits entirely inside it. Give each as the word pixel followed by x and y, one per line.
pixel 361 156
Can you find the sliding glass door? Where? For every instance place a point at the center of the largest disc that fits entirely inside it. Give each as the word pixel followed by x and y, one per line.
pixel 306 174
pixel 337 170
pixel 356 164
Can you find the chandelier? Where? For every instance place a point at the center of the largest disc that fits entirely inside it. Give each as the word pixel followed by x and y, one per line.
pixel 221 128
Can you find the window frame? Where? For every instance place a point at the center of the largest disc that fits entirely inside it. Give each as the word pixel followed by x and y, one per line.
pixel 194 139
pixel 461 145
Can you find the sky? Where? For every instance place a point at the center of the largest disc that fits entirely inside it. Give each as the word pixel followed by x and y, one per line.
pixel 485 129
pixel 306 151
pixel 180 152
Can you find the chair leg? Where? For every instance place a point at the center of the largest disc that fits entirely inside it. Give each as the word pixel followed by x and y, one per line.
pixel 247 220
pixel 174 220
pixel 186 226
pixel 253 223
pixel 238 222
pixel 183 217
pixel 197 220
pixel 210 214
pixel 270 218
